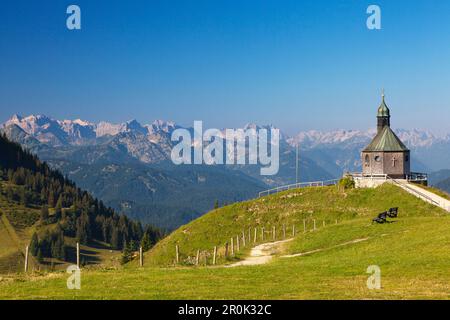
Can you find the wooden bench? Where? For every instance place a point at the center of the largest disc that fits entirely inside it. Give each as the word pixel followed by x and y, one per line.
pixel 393 212
pixel 382 217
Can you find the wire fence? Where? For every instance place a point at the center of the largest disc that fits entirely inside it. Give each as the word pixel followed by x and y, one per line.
pixel 298 185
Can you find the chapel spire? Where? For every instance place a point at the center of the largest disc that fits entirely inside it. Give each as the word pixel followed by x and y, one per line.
pixel 384 114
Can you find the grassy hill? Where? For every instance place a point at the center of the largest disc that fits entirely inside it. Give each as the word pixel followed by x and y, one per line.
pixel 11 256
pixel 41 208
pixel 17 225
pixel 323 204
pixel 412 253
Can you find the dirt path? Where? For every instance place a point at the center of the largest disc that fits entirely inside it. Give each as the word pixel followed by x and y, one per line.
pixel 261 254
pixel 265 252
pixel 323 249
pixel 11 231
pixel 438 200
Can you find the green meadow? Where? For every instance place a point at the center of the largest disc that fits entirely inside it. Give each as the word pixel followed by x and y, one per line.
pixel 413 253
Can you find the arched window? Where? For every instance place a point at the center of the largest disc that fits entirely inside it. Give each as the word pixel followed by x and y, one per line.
pixel 367 160
pixel 406 158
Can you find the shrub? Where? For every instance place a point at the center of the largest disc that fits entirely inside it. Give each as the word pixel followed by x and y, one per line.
pixel 347 182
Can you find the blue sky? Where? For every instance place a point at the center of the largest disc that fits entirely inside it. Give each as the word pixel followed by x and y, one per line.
pixel 297 64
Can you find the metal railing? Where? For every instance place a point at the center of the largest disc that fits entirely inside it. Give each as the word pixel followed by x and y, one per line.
pixel 414 191
pixel 298 185
pixel 413 176
pixel 382 176
pixel 417 176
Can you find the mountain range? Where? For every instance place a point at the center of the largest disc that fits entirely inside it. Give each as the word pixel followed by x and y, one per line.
pixel 128 164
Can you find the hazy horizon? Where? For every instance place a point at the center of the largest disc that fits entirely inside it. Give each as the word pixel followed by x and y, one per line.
pixel 437 133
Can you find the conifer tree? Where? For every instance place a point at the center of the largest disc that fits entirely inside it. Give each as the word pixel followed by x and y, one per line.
pixel 44 213
pixel 126 253
pixel 115 239
pixel 145 242
pixel 9 193
pixel 51 199
pixel 34 245
pixel 58 207
pixel 23 196
pixel 39 257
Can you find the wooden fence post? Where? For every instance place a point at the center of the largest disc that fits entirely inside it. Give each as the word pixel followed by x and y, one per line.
pixel 314 224
pixel 141 258
pixel 243 239
pixel 78 255
pixel 336 221
pixel 177 254
pixel 26 259
pixel 226 249
pixel 214 256
pixel 256 235
pixel 293 230
pixel 197 259
pixel 284 231
pixel 249 235
pixel 232 246
pixel 274 232
pixel 237 244
pixel 323 223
